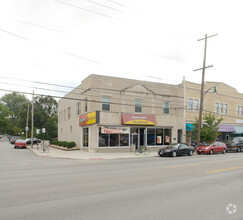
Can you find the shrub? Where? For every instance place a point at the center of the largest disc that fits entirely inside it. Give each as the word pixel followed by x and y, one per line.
pixel 64 143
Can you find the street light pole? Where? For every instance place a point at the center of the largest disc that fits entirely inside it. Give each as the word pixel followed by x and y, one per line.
pixel 202 87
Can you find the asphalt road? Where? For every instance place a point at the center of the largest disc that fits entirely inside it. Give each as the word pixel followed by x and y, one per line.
pixel 197 187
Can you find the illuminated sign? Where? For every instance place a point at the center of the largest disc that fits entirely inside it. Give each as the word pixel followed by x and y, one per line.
pixel 90 118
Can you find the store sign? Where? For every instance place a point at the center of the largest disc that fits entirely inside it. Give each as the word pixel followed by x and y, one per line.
pixel 90 118
pixel 132 119
pixel 115 130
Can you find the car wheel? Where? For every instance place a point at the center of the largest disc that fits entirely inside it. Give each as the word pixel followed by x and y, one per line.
pixel 190 153
pixel 174 154
pixel 224 151
pixel 211 152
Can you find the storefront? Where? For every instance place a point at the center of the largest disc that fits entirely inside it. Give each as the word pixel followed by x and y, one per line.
pixel 134 130
pixel 225 132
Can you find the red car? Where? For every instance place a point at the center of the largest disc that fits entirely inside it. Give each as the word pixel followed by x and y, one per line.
pixel 212 148
pixel 19 143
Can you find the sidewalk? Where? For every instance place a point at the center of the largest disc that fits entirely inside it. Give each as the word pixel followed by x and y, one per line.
pixel 78 154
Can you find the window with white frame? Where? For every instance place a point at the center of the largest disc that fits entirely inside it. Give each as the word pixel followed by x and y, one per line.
pixel 221 108
pixel 225 108
pixel 69 113
pixel 166 108
pixel 217 107
pixel 196 104
pixel 85 105
pixel 190 101
pixel 237 110
pixel 105 103
pixel 78 108
pixel 138 105
pixel 193 104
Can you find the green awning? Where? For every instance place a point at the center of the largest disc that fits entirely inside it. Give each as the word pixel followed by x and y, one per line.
pixel 189 127
pixel 238 130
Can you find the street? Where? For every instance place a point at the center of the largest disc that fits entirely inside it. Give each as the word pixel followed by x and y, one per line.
pixel 196 187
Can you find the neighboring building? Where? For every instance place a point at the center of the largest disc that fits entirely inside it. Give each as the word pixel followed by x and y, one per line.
pixel 227 102
pixel 117 114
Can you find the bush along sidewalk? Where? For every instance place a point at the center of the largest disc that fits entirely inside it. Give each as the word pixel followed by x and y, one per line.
pixel 64 144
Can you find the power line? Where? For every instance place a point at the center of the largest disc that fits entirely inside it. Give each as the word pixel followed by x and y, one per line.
pixel 118 3
pixel 81 99
pixel 84 9
pixel 65 52
pixel 105 6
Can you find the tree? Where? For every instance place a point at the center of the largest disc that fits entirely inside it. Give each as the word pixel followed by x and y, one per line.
pixel 17 104
pixel 45 115
pixel 209 131
pixel 4 118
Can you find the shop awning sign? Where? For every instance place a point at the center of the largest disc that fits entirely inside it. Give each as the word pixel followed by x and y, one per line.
pixel 137 119
pixel 115 130
pixel 90 118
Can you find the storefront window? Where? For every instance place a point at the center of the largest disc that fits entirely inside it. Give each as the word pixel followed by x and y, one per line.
pixel 85 137
pixel 159 137
pixel 167 133
pixel 150 136
pixel 124 139
pixel 107 139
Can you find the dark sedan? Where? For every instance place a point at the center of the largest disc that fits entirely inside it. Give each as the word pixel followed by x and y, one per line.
pixel 174 150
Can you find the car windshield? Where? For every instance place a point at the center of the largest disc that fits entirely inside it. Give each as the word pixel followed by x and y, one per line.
pixel 172 146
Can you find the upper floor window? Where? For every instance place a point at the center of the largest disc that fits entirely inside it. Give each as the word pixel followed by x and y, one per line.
pixel 196 104
pixel 221 108
pixel 190 104
pixel 85 105
pixel 138 105
pixel 69 113
pixel 106 103
pixel 239 110
pixel 78 108
pixel 166 108
pixel 193 104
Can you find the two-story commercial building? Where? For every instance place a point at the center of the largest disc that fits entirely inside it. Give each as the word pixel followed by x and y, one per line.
pixel 107 114
pixel 226 102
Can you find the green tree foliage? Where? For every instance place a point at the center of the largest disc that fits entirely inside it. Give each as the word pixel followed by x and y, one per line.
pixel 209 130
pixel 4 119
pixel 14 106
pixel 45 108
pixel 17 104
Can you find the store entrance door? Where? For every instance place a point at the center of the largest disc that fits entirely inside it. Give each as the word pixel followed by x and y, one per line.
pixel 138 137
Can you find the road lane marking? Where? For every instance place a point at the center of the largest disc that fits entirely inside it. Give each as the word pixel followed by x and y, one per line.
pixel 224 170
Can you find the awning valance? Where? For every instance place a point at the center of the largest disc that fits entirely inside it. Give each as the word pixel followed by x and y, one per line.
pixel 189 127
pixel 225 128
pixel 238 129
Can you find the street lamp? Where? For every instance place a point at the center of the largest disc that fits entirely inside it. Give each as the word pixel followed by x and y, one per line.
pixel 200 113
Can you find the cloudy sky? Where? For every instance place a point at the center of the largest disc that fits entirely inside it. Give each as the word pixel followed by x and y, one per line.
pixel 64 41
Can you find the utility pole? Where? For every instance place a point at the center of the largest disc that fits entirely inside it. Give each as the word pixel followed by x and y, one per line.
pixel 32 121
pixel 27 119
pixel 202 86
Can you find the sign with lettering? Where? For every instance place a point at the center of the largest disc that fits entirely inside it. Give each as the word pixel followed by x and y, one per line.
pixel 90 118
pixel 137 119
pixel 115 130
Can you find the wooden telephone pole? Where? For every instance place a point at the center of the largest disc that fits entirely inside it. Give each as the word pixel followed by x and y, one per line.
pixel 202 86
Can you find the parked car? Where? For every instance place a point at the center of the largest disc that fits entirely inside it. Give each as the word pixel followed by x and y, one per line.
pixel 35 141
pixel 14 138
pixel 236 144
pixel 19 143
pixel 176 150
pixel 212 148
